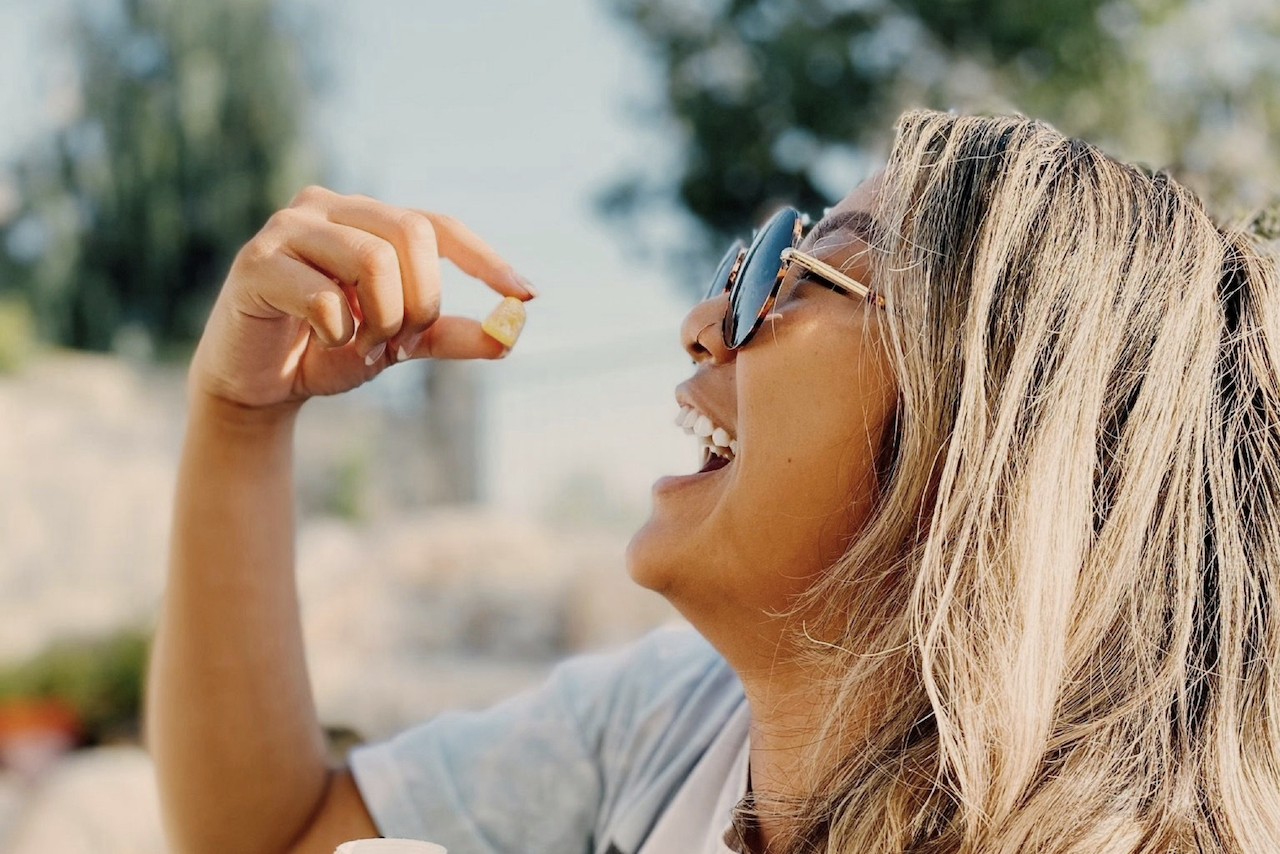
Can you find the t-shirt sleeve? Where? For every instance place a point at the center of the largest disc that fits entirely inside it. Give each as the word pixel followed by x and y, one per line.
pixel 532 774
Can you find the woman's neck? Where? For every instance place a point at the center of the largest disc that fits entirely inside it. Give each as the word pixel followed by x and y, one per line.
pixel 784 723
pixel 788 713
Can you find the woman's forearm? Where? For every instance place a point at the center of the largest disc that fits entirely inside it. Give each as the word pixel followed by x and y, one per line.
pixel 230 718
pixel 231 722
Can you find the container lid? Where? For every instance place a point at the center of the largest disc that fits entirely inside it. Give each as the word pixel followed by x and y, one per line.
pixel 389 846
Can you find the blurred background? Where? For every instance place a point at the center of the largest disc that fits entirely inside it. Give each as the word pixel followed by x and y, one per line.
pixel 461 526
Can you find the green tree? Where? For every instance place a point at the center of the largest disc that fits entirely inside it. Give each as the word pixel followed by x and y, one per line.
pixel 1197 92
pixel 188 136
pixel 775 100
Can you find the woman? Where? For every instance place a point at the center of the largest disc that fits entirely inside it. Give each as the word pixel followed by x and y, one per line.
pixel 995 566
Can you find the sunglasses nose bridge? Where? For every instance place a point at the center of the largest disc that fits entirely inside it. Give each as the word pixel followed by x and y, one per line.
pixel 760 273
pixel 726 271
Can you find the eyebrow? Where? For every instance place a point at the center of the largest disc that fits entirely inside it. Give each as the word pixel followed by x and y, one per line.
pixel 860 223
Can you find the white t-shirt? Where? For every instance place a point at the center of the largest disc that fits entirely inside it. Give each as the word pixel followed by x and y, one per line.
pixel 700 818
pixel 586 763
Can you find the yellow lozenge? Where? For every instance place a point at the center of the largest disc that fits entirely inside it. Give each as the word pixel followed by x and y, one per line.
pixel 505 322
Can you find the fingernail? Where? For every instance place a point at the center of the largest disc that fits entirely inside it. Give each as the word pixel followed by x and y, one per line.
pixel 506 351
pixel 375 354
pixel 407 347
pixel 521 282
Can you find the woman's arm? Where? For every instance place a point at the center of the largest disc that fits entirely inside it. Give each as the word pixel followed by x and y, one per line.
pixel 230 719
pixel 331 292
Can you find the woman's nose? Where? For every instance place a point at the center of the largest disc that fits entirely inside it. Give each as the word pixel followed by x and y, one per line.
pixel 702 333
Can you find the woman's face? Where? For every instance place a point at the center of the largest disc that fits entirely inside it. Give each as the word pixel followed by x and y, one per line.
pixel 806 399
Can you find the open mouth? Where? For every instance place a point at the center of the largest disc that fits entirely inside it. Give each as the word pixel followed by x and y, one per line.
pixel 711 461
pixel 719 446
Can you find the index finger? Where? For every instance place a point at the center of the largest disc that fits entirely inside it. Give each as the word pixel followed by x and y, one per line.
pixel 476 258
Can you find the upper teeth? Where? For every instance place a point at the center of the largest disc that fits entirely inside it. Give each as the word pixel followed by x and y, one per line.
pixel 714 437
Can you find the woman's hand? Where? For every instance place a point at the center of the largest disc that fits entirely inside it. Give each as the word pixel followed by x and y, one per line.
pixel 334 289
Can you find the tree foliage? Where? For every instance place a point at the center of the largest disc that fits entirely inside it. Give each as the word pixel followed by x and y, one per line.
pixel 786 100
pixel 187 137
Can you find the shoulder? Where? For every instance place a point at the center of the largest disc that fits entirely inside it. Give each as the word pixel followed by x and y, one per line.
pixel 676 695
pixel 593 752
pixel 672 652
pixel 669 672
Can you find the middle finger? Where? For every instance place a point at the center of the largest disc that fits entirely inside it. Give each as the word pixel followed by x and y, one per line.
pixel 369 266
pixel 414 238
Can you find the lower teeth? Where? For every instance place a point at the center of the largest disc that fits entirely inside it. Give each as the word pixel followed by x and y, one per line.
pixel 712 460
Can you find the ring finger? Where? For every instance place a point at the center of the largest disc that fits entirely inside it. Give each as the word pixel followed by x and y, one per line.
pixel 414 238
pixel 368 266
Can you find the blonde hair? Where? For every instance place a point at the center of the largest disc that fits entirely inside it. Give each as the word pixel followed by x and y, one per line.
pixel 1067 598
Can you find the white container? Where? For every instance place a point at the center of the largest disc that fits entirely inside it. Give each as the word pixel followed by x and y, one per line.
pixel 389 846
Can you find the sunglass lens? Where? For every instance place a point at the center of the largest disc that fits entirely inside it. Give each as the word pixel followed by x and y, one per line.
pixel 721 281
pixel 758 275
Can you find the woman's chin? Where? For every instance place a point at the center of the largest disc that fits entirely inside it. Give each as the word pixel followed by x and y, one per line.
pixel 663 553
pixel 669 556
pixel 666 545
pixel 648 556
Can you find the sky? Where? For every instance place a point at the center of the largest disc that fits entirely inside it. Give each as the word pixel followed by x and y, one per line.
pixel 511 116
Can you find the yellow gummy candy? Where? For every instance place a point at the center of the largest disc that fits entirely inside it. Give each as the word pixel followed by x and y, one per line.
pixel 505 322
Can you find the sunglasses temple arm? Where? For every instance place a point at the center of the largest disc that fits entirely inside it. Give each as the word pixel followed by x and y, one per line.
pixel 833 275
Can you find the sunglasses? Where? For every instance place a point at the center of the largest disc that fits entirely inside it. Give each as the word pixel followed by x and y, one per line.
pixel 753 274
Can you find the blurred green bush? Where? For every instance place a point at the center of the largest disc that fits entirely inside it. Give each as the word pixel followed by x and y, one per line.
pixel 17 333
pixel 100 678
